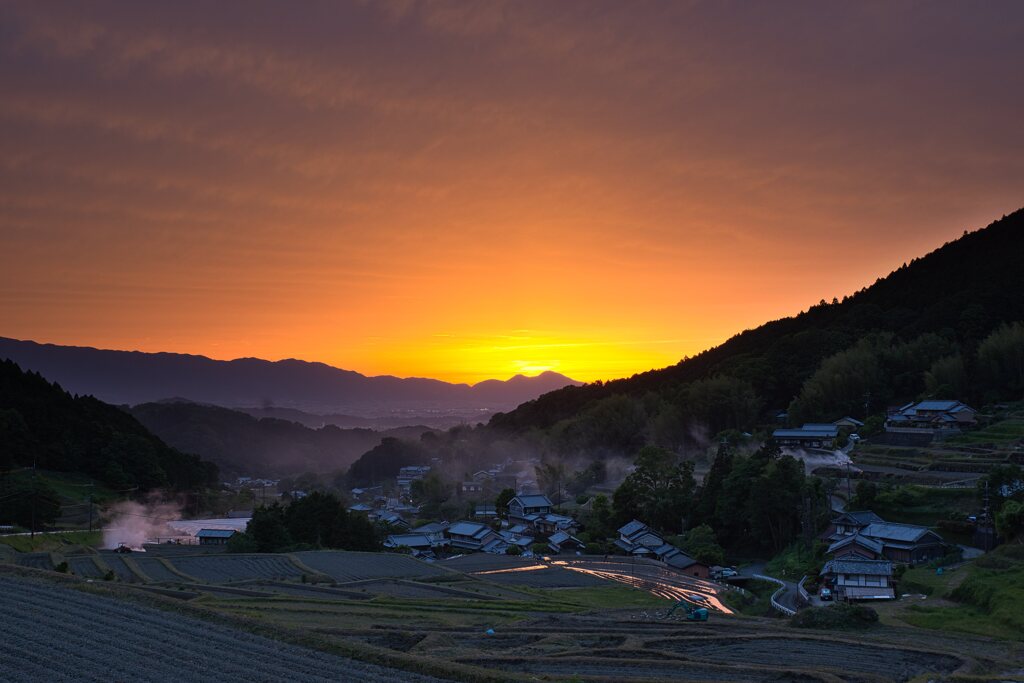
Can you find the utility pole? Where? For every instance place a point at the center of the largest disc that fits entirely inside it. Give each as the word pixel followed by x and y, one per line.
pixel 90 511
pixel 849 494
pixel 32 531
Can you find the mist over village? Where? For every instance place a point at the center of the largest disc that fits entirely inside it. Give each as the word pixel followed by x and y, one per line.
pixel 423 340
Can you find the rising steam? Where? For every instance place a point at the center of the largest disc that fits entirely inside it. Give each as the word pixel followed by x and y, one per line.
pixel 133 524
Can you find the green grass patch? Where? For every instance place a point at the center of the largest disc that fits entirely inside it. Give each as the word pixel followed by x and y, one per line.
pixel 755 602
pixel 990 591
pixel 796 561
pixel 924 505
pixel 44 542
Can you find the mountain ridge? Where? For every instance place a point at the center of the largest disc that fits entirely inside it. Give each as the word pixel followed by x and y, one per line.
pixel 961 291
pixel 134 377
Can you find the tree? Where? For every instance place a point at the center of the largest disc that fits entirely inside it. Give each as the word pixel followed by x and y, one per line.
pixel 658 492
pixel 700 544
pixel 502 501
pixel 312 519
pixel 267 530
pixel 551 478
pixel 430 493
pixel 865 495
pixel 1010 521
pixel 1001 362
pixel 707 502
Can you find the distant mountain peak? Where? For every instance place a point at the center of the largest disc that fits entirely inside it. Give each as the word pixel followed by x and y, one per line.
pixel 135 377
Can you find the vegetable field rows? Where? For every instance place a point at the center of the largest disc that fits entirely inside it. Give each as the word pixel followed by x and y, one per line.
pixel 352 566
pixel 228 568
pixel 51 633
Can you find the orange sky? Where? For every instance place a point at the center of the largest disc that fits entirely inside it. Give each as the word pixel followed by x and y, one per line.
pixel 465 191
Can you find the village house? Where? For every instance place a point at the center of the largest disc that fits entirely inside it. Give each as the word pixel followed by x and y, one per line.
pixel 534 511
pixel 938 419
pixel 391 519
pixel 407 475
pixel 862 533
pixel 562 541
pixel 811 435
pixel 848 423
pixel 471 487
pixel 475 537
pixel 528 509
pixel 486 510
pixel 637 539
pixel 215 536
pixel 854 578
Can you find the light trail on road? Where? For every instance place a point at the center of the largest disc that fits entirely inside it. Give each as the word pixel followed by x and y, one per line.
pixel 655 580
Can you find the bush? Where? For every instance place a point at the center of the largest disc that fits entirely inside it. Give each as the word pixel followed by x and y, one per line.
pixel 842 616
pixel 514 550
pixel 62 567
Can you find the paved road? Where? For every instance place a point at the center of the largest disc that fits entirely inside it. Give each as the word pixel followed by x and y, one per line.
pixel 653 577
pixel 788 599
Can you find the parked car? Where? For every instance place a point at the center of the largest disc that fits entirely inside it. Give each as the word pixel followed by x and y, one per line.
pixel 825 594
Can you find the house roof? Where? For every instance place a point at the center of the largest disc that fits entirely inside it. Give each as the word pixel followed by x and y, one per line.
pixel 856 539
pixel 215 533
pixel 936 405
pixel 533 501
pixel 680 560
pixel 819 427
pixel 361 507
pixel 805 433
pixel 560 537
pixel 471 529
pixel 857 566
pixel 892 531
pixel 432 527
pixel 407 540
pixel 851 420
pixel 632 528
pixel 858 517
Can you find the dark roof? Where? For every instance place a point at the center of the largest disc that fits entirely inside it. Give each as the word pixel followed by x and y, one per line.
pixel 891 531
pixel 857 566
pixel 535 500
pixel 632 528
pixel 806 433
pixel 216 533
pixel 859 517
pixel 869 543
pixel 471 529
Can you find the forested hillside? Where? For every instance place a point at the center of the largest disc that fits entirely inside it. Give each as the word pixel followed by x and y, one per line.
pixel 42 424
pixel 242 444
pixel 941 325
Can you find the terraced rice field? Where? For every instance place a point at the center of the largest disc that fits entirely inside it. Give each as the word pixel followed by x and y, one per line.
pixel 155 569
pixel 52 633
pixel 85 565
pixel 343 566
pixel 814 653
pixel 483 562
pixel 117 565
pixel 35 560
pixel 229 568
pixel 542 576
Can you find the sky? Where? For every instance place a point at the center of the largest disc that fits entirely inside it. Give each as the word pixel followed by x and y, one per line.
pixel 474 190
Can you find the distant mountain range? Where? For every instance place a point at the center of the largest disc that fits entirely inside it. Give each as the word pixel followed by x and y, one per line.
pixel 240 444
pixel 133 377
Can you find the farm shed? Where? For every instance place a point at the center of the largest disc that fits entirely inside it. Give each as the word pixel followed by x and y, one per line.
pixel 214 536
